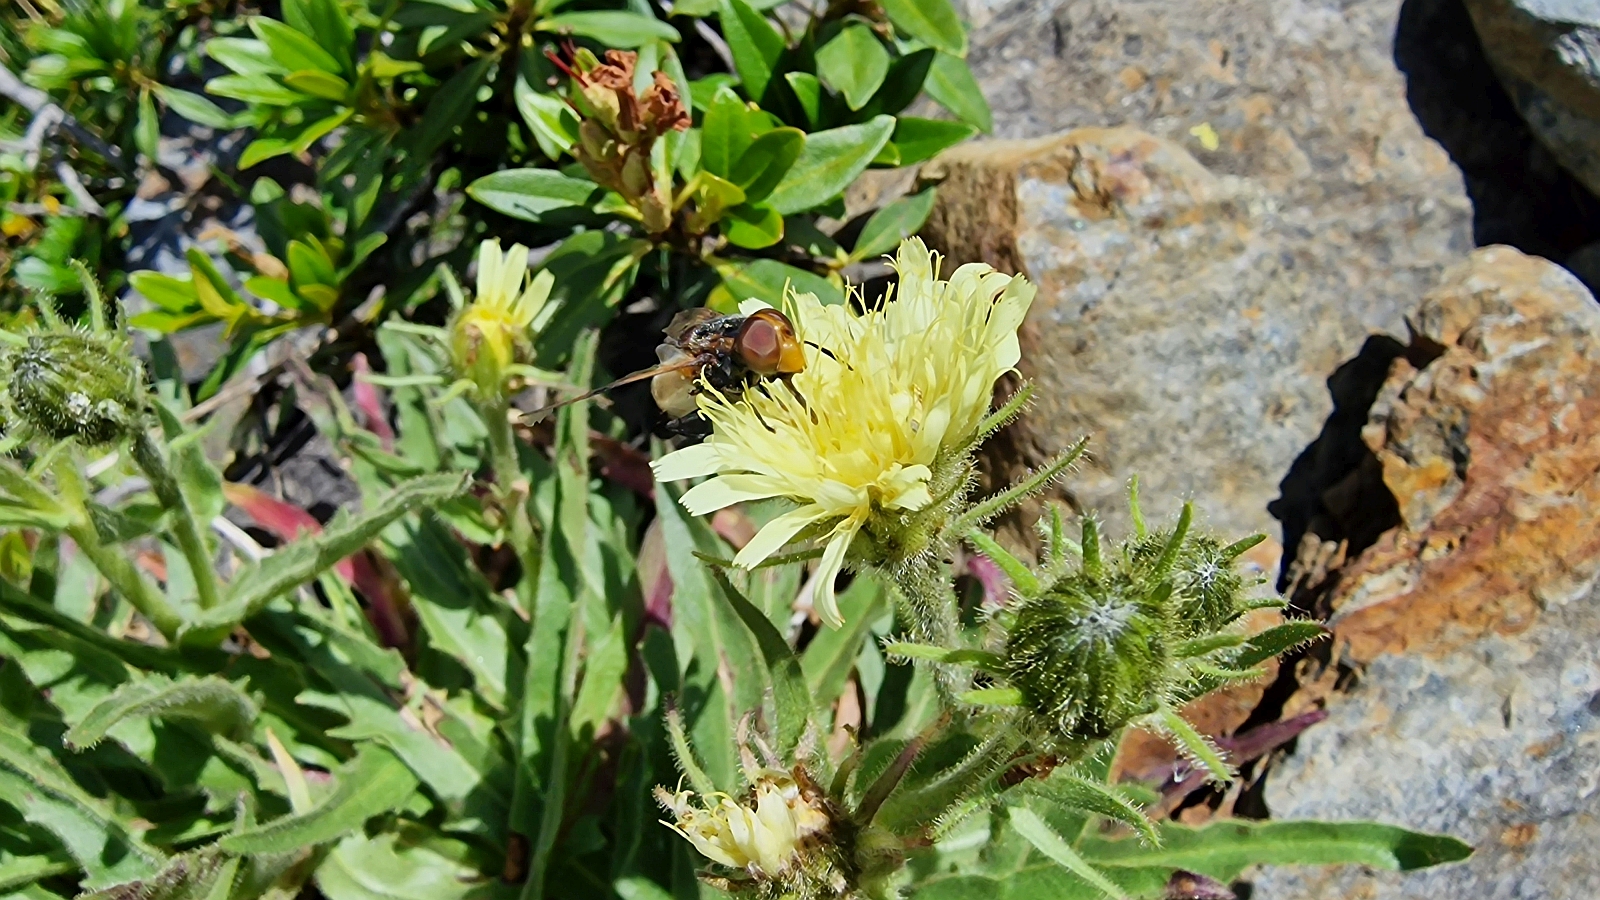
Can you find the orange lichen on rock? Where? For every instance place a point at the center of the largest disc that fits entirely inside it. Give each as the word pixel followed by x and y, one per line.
pixel 1492 451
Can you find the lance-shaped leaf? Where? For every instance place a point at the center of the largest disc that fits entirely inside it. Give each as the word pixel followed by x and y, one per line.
pixel 1046 841
pixel 211 701
pixel 374 783
pixel 1223 850
pixel 1081 794
pixel 107 846
pixel 192 876
pixel 790 699
pixel 307 558
pixel 1278 640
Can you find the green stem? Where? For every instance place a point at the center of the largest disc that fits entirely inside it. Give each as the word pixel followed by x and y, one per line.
pixel 127 581
pixel 931 602
pixel 513 491
pixel 153 462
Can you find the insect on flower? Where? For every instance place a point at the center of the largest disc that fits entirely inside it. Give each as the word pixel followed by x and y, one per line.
pixel 728 353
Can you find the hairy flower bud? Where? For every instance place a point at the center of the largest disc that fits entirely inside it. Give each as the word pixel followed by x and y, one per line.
pixel 76 384
pixel 1091 654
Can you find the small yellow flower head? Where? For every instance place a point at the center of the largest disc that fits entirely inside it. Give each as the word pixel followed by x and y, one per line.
pixel 889 418
pixel 494 331
pixel 765 836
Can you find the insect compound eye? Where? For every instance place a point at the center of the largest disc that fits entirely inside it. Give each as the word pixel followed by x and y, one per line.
pixel 760 345
pixel 767 344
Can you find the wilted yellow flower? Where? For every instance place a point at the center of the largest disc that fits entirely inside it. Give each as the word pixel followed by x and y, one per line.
pixel 898 395
pixel 764 836
pixel 492 332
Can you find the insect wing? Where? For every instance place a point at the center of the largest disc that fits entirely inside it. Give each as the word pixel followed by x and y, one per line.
pixel 684 321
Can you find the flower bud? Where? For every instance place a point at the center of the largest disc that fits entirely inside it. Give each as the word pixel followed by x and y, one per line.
pixel 782 838
pixel 76 384
pixel 1090 654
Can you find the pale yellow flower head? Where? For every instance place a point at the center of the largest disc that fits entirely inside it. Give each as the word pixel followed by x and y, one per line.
pixel 901 395
pixel 764 835
pixel 493 332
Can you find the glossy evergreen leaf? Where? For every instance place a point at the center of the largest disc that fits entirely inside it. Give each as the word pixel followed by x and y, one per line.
pixel 828 163
pixel 934 22
pixel 755 44
pixel 752 226
pixel 530 193
pixel 922 139
pixel 617 28
pixel 292 50
pixel 951 85
pixel 892 225
pixel 853 63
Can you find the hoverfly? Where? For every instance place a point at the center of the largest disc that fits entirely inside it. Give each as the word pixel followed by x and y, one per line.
pixel 730 352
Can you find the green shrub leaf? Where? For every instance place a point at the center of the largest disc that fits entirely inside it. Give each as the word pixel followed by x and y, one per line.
pixel 617 28
pixel 828 163
pixel 752 226
pixel 530 193
pixel 934 22
pixel 292 50
pixel 951 85
pixel 921 139
pixel 754 43
pixel 854 63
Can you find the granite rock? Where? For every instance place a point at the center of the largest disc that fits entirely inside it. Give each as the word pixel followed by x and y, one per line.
pixel 1547 53
pixel 1475 624
pixel 1186 320
pixel 1200 277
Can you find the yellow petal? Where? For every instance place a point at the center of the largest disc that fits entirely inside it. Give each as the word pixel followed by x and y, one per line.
pixel 822 597
pixel 776 533
pixel 726 490
pixel 692 461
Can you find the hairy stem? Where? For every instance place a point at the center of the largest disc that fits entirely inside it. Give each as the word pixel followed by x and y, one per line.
pixel 512 487
pixel 153 462
pixel 127 581
pixel 931 604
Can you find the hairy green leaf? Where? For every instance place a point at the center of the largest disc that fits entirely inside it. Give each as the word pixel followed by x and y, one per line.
pixel 305 558
pixel 1223 850
pixel 210 701
pixel 374 783
pixel 1044 838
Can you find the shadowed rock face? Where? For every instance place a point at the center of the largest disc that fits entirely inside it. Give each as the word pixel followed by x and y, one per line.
pixel 1547 52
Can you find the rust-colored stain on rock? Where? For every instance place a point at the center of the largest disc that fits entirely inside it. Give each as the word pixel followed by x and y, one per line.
pixel 1493 453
